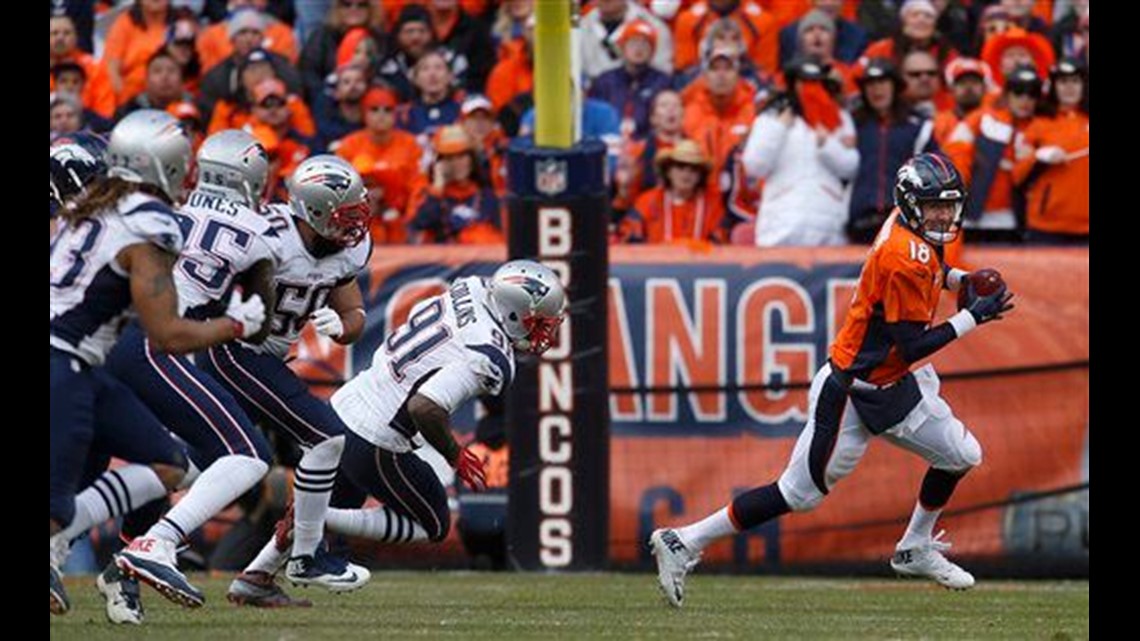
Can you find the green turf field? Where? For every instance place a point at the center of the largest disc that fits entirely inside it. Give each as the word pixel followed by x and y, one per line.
pixel 512 606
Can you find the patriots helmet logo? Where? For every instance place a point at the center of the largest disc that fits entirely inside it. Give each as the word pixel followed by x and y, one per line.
pixel 532 286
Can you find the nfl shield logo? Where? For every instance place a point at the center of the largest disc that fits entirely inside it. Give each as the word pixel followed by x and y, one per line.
pixel 550 178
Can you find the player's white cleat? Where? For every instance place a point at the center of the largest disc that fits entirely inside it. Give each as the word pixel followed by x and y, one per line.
pixel 121 593
pixel 674 561
pixel 154 562
pixel 928 561
pixel 327 571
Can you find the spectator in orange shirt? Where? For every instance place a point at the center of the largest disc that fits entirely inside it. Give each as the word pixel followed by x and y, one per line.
pixel 132 40
pixel 760 28
pixel 969 82
pixel 318 58
pixel 719 108
pixel 271 122
pixel 512 80
pixel 477 116
pixel 459 206
pixel 724 33
pixel 163 86
pixel 983 148
pixel 214 43
pixel 1053 161
pixel 684 208
pixel 918 30
pixel 98 95
pixel 381 150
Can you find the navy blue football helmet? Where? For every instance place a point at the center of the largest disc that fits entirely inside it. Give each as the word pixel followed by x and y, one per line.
pixel 75 161
pixel 924 179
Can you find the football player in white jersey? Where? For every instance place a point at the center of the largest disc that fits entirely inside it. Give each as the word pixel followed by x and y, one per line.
pixel 227 246
pixel 113 256
pixel 322 238
pixel 453 348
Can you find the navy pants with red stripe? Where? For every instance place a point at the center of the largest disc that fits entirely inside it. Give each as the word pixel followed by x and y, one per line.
pixel 403 482
pixel 188 401
pixel 271 393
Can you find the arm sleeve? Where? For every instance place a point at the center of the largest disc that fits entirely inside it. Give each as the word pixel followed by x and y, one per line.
pixel 915 342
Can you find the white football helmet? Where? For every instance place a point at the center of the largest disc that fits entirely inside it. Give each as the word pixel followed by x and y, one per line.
pixel 531 303
pixel 328 193
pixel 233 164
pixel 150 146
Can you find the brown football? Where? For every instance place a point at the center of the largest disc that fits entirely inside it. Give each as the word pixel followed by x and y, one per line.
pixel 985 281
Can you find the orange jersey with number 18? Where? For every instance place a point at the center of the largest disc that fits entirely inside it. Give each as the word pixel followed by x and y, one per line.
pixel 901 281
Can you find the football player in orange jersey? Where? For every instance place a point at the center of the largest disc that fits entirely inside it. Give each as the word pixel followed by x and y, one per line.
pixel 867 388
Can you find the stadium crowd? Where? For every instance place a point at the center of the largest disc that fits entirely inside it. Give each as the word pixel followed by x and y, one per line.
pixel 750 122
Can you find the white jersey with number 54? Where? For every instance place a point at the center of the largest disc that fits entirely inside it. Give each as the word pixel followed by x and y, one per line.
pixel 451 349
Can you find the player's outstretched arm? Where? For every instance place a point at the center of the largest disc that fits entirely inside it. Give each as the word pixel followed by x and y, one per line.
pixel 258 281
pixel 155 299
pixel 348 303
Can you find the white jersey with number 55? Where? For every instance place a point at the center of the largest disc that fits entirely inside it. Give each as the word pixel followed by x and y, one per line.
pixel 451 349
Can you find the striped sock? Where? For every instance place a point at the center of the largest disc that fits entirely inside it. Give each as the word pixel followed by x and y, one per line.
pixel 113 494
pixel 379 524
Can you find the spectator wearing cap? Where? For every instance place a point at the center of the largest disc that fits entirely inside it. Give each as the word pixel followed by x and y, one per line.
pixel 215 43
pixel 98 94
pixel 601 28
pixel 636 170
pixel 134 37
pixel 759 26
pixel 271 122
pixel 436 102
pixel 319 55
pixel 719 107
pixel 803 147
pixel 228 80
pixel 1052 167
pixel 477 117
pixel 969 83
pixel 458 206
pixel 630 88
pixel 387 158
pixel 163 86
pixel 684 207
pixel 460 33
pixel 341 113
pixel 850 39
pixel 917 30
pixel 82 15
pixel 816 39
pixel 233 113
pixel 65 114
pixel 1014 48
pixel 982 147
pixel 888 132
pixel 723 33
